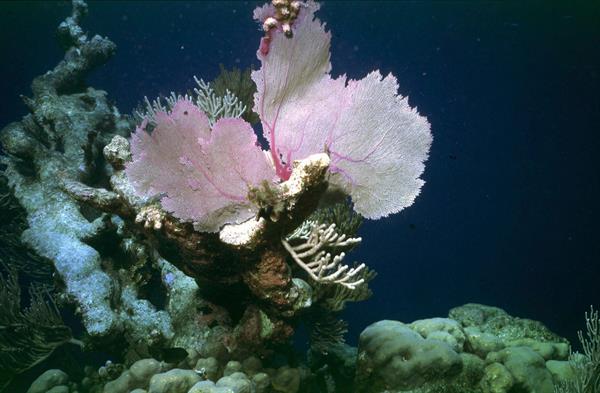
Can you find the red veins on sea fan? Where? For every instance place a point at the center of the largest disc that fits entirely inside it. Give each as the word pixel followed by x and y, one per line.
pixel 377 143
pixel 202 174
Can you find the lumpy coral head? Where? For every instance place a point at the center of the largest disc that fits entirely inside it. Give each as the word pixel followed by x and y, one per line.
pixel 202 174
pixel 377 143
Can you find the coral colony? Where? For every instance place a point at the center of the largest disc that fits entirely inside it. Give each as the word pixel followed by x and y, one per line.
pixel 192 253
pixel 372 143
pixel 357 136
pixel 191 197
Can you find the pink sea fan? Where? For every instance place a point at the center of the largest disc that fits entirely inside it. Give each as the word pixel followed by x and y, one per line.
pixel 202 174
pixel 377 142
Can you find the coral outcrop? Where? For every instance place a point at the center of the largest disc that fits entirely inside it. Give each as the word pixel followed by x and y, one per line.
pixel 426 356
pixel 477 348
pixel 393 356
pixel 139 273
pixel 191 254
pixel 59 141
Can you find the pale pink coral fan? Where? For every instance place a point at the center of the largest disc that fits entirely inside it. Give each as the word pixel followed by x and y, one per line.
pixel 203 174
pixel 376 141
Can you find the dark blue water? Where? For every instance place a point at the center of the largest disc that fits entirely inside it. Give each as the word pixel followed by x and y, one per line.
pixel 510 212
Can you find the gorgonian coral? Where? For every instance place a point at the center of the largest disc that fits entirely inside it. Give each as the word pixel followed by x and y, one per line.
pixel 376 142
pixel 203 172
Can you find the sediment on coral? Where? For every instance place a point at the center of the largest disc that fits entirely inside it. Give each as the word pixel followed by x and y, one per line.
pixel 58 143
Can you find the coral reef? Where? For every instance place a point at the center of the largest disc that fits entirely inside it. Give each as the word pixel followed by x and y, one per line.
pixel 60 142
pixel 393 356
pixel 192 260
pixel 194 375
pixel 139 273
pixel 191 254
pixel 477 348
pixel 426 356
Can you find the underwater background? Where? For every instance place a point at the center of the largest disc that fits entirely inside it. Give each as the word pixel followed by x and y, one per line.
pixel 509 214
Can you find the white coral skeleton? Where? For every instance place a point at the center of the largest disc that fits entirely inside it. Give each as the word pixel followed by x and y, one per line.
pixel 322 266
pixel 204 97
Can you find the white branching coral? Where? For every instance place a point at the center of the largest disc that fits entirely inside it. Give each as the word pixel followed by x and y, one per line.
pixel 204 97
pixel 217 107
pixel 304 231
pixel 312 254
pixel 585 366
pixel 591 340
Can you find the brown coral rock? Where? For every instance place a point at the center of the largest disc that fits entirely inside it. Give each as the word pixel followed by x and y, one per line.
pixel 270 278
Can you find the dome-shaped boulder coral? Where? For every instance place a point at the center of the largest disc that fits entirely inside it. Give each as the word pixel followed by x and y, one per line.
pixel 392 356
